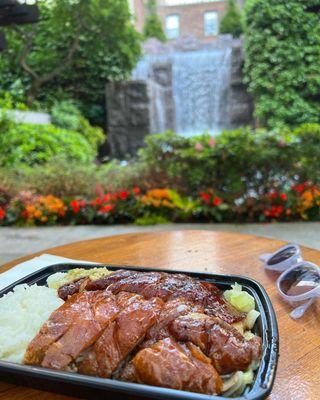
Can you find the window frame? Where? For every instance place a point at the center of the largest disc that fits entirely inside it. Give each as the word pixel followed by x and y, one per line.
pixel 205 23
pixel 177 16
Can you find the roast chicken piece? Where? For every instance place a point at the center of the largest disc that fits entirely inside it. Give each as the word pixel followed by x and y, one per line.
pixel 226 347
pixel 121 336
pixel 167 287
pixel 176 366
pixel 71 329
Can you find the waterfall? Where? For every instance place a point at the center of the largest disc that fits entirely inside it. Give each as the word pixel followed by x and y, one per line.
pixel 200 89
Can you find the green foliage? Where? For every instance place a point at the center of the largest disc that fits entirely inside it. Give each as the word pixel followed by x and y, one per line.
pixel 153 28
pixel 66 115
pixel 33 144
pixel 152 25
pixel 151 220
pixel 236 163
pixel 282 45
pixel 232 22
pixel 72 52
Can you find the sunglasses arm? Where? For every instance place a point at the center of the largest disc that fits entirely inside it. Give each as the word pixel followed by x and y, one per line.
pixel 299 311
pixel 265 257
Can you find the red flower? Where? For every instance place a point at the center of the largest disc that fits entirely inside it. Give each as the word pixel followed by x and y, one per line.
pixel 205 196
pixel 274 212
pixel 273 195
pixel 300 188
pixel 217 201
pixel 136 190
pixel 124 194
pixel 82 203
pixel 25 214
pixel 2 213
pixel 74 204
pixel 283 197
pixel 107 198
pixel 288 212
pixel 107 208
pixel 96 202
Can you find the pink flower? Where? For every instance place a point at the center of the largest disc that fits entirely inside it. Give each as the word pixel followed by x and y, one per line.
pixel 282 143
pixel 212 142
pixel 198 146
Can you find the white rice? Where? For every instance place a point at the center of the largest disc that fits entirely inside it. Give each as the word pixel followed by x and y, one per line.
pixel 22 313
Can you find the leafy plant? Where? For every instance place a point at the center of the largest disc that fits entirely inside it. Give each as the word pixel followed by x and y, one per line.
pixel 232 22
pixel 152 25
pixel 72 52
pixel 282 42
pixel 66 115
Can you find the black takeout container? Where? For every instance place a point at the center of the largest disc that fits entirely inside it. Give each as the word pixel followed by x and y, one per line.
pixel 97 388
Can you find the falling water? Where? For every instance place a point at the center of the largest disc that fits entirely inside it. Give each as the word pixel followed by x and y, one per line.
pixel 200 86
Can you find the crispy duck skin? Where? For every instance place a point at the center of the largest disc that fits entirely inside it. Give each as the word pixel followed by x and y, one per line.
pixel 227 348
pixel 173 365
pixel 71 288
pixel 87 314
pixel 172 309
pixel 121 336
pixel 167 287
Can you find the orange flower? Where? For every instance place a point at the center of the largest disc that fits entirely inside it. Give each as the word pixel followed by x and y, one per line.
pixel 38 214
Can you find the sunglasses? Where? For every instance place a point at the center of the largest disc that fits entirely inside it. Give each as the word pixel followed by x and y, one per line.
pixel 299 279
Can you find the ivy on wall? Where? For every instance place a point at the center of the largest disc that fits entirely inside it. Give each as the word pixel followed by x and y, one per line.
pixel 282 44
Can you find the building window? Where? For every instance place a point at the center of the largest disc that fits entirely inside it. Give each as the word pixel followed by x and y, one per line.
pixel 172 26
pixel 210 23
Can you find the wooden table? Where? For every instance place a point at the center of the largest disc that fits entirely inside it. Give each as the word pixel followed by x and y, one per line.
pixel 298 374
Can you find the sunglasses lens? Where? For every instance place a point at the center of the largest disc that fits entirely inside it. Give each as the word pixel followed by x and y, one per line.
pixel 283 255
pixel 300 280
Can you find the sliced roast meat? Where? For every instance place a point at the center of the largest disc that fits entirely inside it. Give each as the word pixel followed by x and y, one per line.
pixel 72 328
pixel 173 365
pixel 71 288
pixel 172 309
pixel 121 336
pixel 227 348
pixel 167 287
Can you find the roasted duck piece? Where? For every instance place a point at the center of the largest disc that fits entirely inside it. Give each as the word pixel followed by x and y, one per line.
pixel 173 365
pixel 121 336
pixel 226 347
pixel 167 287
pixel 172 309
pixel 72 328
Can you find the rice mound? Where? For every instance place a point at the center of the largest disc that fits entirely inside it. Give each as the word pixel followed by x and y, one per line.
pixel 22 313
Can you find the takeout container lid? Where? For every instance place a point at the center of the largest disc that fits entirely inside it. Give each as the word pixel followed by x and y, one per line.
pixel 83 386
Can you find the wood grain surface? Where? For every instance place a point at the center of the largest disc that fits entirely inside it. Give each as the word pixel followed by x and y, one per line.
pixel 298 376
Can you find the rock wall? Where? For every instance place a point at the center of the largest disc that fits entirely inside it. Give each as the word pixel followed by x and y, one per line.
pixel 241 103
pixel 128 116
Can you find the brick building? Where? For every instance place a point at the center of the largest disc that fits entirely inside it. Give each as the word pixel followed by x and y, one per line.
pixel 198 18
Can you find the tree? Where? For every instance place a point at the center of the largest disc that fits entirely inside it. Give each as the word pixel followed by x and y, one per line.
pixel 231 22
pixel 152 26
pixel 77 46
pixel 282 45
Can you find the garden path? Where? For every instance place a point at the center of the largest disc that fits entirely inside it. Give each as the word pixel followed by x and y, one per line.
pixel 19 242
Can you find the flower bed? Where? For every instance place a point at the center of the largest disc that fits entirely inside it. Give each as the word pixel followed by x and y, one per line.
pixel 300 202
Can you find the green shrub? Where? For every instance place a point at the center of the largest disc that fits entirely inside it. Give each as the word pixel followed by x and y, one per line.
pixel 231 22
pixel 152 25
pixel 75 48
pixel 236 163
pixel 65 114
pixel 32 144
pixel 282 42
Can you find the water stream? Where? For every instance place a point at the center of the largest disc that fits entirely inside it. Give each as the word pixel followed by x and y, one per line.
pixel 200 90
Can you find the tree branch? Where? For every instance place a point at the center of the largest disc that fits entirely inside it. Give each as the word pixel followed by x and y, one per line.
pixel 64 63
pixel 25 52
